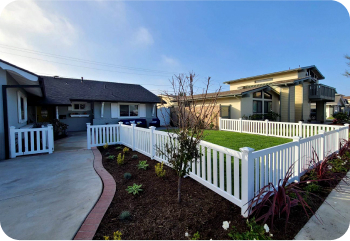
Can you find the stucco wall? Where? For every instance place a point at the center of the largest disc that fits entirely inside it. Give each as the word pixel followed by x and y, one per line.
pixel 74 123
pixel 286 76
pixel 107 114
pixel 284 93
pixel 235 102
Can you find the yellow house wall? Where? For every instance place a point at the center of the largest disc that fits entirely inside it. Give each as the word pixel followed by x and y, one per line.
pixel 235 103
pixel 292 103
pixel 284 104
pixel 279 77
pixel 299 102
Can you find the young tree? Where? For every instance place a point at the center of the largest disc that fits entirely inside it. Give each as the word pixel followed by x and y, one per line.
pixel 347 73
pixel 192 115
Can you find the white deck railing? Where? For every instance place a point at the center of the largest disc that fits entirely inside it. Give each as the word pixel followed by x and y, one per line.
pixel 235 175
pixel 31 141
pixel 273 128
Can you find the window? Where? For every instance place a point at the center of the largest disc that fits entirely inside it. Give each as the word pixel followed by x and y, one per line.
pixel 79 106
pixel 22 107
pixel 129 110
pixel 267 96
pixel 267 106
pixel 257 94
pixel 257 106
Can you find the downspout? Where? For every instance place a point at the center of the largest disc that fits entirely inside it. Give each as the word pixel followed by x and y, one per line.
pixel 5 113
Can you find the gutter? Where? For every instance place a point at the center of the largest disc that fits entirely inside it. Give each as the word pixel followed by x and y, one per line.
pixel 5 112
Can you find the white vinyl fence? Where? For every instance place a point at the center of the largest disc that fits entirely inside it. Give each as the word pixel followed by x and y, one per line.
pixel 235 175
pixel 31 141
pixel 273 128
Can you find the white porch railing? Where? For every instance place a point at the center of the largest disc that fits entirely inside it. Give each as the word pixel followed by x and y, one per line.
pixel 273 128
pixel 235 175
pixel 31 141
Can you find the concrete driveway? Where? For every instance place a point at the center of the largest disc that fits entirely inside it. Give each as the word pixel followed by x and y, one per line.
pixel 48 196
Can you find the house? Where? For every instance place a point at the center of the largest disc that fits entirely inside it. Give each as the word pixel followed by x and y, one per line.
pixel 167 100
pixel 28 98
pixel 288 93
pixel 340 104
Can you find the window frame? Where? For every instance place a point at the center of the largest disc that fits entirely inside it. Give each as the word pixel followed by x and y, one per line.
pixel 20 95
pixel 128 116
pixel 263 101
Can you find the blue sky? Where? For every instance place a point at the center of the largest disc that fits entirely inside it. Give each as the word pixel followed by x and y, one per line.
pixel 147 42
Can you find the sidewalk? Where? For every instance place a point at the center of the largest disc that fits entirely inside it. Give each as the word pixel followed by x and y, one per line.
pixel 335 222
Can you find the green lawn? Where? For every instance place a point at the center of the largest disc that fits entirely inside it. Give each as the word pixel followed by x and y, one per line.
pixel 235 140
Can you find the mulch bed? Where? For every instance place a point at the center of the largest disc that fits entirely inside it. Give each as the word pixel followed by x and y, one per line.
pixel 156 214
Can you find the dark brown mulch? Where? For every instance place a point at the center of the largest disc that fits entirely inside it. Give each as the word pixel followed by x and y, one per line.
pixel 156 214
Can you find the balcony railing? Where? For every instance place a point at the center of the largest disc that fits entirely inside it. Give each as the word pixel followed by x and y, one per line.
pixel 321 92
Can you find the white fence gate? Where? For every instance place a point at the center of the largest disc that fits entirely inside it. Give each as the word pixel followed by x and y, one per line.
pixel 163 114
pixel 31 141
pixel 235 175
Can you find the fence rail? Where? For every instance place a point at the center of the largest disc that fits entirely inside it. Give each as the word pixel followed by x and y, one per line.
pixel 31 141
pixel 273 128
pixel 235 175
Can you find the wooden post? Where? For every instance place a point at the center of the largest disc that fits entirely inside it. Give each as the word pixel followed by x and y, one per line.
pixel 50 138
pixel 247 180
pixel 297 170
pixel 12 141
pixel 88 132
pixel 152 149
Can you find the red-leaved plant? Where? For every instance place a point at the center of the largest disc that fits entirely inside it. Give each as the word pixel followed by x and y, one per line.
pixel 272 201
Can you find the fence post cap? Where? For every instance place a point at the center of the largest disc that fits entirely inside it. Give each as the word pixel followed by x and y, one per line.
pixel 133 124
pixel 296 138
pixel 240 118
pixel 266 120
pixel 346 124
pixel 152 127
pixel 120 122
pixel 246 149
pixel 300 122
pixel 88 124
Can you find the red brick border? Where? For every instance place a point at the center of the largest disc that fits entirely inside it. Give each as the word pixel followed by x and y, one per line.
pixel 90 225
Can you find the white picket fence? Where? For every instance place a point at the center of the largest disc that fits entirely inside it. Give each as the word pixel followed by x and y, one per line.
pixel 31 141
pixel 273 128
pixel 235 175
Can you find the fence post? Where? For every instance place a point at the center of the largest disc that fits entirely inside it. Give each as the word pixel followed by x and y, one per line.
pixel 88 136
pixel 266 127
pixel 120 131
pixel 300 128
pixel 240 125
pixel 323 143
pixel 12 141
pixel 248 180
pixel 50 137
pixel 133 137
pixel 296 139
pixel 220 127
pixel 347 132
pixel 152 128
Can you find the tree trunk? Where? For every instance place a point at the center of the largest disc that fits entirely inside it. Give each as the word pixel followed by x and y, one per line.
pixel 179 190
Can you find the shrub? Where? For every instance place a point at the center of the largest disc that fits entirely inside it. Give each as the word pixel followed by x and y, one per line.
pixel 119 148
pixel 107 153
pixel 255 232
pixel 341 117
pixel 160 172
pixel 278 200
pixel 124 215
pixel 271 116
pixel 134 157
pixel 127 175
pixel 111 157
pixel 196 236
pixel 120 159
pixel 116 236
pixel 134 189
pixel 125 150
pixel 142 165
pixel 105 146
pixel 313 187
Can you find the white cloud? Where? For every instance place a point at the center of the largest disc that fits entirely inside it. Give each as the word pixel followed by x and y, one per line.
pixel 169 61
pixel 143 37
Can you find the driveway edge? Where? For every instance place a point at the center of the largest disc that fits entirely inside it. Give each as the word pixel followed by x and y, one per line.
pixel 90 225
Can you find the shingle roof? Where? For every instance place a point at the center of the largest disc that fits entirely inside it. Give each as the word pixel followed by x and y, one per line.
pixel 61 91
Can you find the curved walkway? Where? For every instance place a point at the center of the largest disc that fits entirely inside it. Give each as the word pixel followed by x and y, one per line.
pixel 47 196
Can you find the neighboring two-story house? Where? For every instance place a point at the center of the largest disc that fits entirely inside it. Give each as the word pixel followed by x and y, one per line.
pixel 288 93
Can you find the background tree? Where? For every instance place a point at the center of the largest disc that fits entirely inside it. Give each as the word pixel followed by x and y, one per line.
pixel 191 116
pixel 347 73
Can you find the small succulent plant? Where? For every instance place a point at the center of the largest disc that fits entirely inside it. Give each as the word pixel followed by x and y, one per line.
pixel 125 215
pixel 127 175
